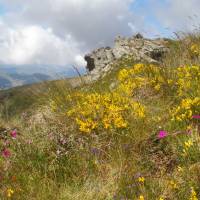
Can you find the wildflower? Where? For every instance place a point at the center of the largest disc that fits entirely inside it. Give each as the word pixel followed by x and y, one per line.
pixel 188 144
pixel 141 197
pixel 120 122
pixel 6 153
pixel 193 194
pixel 162 134
pixel 161 198
pixel 86 126
pixel 195 49
pixel 10 192
pixel 157 87
pixel 196 116
pixel 186 109
pixel 123 74
pixel 169 81
pixel 141 179
pixel 173 184
pixel 14 133
pixel 180 169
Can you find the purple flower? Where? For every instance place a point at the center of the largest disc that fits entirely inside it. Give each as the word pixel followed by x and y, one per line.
pixel 196 116
pixel 6 153
pixel 63 141
pixel 162 134
pixel 95 151
pixel 14 133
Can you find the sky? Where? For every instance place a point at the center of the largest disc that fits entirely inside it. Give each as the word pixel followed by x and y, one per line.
pixel 61 32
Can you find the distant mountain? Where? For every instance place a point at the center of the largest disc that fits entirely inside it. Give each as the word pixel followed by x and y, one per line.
pixel 5 83
pixel 12 80
pixel 12 76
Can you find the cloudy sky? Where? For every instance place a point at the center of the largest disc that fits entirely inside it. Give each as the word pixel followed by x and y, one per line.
pixel 60 32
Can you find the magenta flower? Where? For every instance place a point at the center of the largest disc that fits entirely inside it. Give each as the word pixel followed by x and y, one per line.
pixel 162 134
pixel 6 153
pixel 14 133
pixel 196 116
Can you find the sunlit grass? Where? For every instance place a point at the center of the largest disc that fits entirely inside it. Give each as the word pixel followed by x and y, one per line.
pixel 132 135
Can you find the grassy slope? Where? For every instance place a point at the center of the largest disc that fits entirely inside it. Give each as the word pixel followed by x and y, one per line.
pixel 51 159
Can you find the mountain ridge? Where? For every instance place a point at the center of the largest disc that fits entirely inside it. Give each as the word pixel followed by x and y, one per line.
pixel 13 76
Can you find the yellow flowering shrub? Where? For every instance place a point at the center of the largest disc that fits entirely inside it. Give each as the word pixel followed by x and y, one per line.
pixel 114 109
pixel 187 108
pixel 104 111
pixel 193 195
pixel 188 78
pixel 182 79
pixel 140 76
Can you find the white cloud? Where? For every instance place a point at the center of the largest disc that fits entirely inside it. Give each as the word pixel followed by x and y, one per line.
pixel 60 31
pixel 178 15
pixel 80 61
pixel 36 45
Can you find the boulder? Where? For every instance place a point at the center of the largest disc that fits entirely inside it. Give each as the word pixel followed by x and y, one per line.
pixel 100 61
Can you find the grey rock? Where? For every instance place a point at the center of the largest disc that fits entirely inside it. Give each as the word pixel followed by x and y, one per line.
pixel 100 61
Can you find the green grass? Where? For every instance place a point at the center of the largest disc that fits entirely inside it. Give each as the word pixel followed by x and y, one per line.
pixel 52 159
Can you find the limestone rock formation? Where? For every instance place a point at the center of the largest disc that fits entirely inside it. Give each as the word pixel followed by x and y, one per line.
pixel 100 61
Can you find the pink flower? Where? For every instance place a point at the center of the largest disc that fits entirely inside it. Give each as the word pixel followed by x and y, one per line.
pixel 6 153
pixel 14 133
pixel 162 134
pixel 196 116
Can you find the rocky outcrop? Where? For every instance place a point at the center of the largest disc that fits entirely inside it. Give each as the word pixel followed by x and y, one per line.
pixel 100 61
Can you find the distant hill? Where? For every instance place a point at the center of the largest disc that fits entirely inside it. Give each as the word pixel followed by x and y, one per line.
pixel 5 83
pixel 12 80
pixel 12 76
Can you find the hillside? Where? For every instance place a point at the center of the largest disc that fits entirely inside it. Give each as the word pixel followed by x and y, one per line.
pixel 13 76
pixel 129 130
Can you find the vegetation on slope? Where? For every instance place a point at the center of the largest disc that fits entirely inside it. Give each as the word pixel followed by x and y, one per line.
pixel 133 135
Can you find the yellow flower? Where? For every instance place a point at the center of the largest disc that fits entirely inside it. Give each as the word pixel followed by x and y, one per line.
pixel 195 49
pixel 180 169
pixel 169 81
pixel 157 87
pixel 141 179
pixel 10 192
pixel 188 144
pixel 123 74
pixel 193 195
pixel 173 184
pixel 138 67
pixel 119 122
pixel 86 126
pixel 186 109
pixel 141 197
